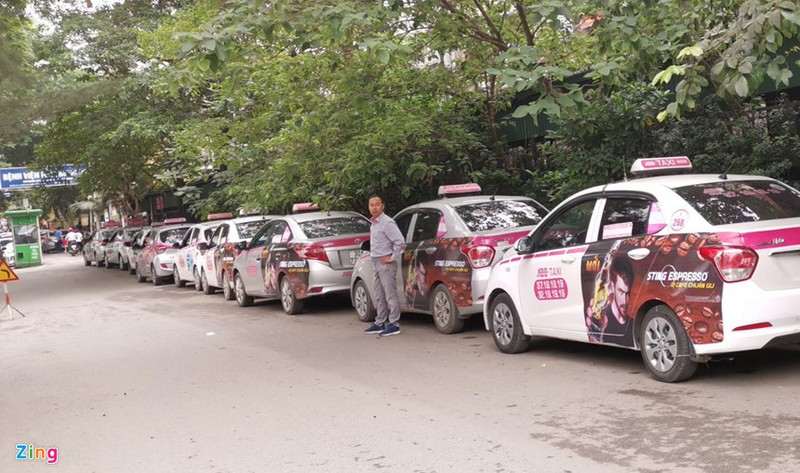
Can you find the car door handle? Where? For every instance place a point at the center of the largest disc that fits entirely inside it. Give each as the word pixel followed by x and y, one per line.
pixel 258 259
pixel 567 259
pixel 430 250
pixel 638 254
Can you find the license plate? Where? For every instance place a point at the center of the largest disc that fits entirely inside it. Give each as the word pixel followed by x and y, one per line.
pixel 354 255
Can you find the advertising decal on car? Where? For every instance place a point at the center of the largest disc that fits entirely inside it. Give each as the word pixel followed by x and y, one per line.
pixel 618 276
pixel 445 263
pixel 284 261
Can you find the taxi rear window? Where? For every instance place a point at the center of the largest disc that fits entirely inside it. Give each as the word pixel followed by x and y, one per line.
pixel 248 229
pixel 499 214
pixel 330 227
pixel 725 202
pixel 172 236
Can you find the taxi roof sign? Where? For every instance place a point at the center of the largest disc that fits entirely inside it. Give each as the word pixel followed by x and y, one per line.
pixel 459 189
pixel 661 166
pixel 6 273
pixel 219 216
pixel 304 207
pixel 174 220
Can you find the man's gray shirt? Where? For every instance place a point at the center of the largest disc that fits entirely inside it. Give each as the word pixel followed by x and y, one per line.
pixel 385 238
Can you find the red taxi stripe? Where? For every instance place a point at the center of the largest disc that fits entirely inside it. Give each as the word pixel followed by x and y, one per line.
pixel 348 241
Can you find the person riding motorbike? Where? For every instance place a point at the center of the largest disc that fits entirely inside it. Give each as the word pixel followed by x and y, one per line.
pixel 74 241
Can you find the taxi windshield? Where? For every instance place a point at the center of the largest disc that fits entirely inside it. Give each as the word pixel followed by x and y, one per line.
pixel 725 202
pixel 248 229
pixel 499 214
pixel 330 227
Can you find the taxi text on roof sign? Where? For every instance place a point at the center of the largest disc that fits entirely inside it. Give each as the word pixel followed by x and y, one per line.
pixel 653 166
pixel 455 189
pixel 175 220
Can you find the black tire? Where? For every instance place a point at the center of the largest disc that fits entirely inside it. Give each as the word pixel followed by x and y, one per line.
pixel 176 277
pixel 665 346
pixel 291 305
pixel 207 290
pixel 108 265
pixel 362 302
pixel 445 312
pixel 506 327
pixel 86 262
pixel 157 281
pixel 198 283
pixel 131 268
pixel 139 276
pixel 241 292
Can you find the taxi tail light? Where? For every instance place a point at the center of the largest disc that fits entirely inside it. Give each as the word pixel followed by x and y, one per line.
pixel 480 256
pixel 311 251
pixel 733 263
pixel 160 249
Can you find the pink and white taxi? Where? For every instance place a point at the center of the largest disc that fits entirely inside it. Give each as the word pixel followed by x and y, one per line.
pixel 188 252
pixel 679 267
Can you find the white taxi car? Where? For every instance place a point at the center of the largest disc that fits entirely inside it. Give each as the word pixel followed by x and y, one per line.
pixel 188 253
pixel 451 245
pixel 214 269
pixel 679 267
pixel 299 256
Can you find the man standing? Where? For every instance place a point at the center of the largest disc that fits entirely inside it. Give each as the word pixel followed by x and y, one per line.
pixel 59 237
pixel 386 245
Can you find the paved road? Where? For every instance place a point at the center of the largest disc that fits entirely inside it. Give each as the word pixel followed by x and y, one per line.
pixel 125 377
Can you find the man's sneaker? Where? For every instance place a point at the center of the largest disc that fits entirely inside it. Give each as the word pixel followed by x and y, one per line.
pixel 374 328
pixel 390 330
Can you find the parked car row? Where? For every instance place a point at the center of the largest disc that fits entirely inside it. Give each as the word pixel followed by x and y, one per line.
pixel 679 267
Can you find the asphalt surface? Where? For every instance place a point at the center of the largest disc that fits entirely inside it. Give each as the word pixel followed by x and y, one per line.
pixel 126 377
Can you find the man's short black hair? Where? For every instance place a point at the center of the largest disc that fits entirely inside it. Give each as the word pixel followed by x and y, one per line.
pixel 621 266
pixel 375 196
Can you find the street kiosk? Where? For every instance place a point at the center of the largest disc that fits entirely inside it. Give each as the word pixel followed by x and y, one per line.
pixel 27 238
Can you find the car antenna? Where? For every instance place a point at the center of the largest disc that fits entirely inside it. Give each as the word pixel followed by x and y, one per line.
pixel 624 172
pixel 724 175
pixel 494 193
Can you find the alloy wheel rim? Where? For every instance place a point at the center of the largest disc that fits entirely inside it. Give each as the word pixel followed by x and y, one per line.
pixel 503 324
pixel 286 294
pixel 226 285
pixel 660 344
pixel 361 300
pixel 441 309
pixel 239 289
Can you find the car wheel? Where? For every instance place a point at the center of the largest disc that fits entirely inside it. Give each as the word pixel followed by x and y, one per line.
pixel 139 276
pixel 363 303
pixel 445 312
pixel 241 293
pixel 108 265
pixel 132 266
pixel 86 262
pixel 289 302
pixel 506 327
pixel 123 265
pixel 227 289
pixel 157 281
pixel 665 346
pixel 207 290
pixel 198 283
pixel 176 276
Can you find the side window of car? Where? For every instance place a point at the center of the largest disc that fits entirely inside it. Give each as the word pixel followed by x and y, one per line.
pixel 426 225
pixel 223 238
pixel 403 222
pixel 569 228
pixel 263 235
pixel 148 239
pixel 192 238
pixel 624 217
pixel 215 238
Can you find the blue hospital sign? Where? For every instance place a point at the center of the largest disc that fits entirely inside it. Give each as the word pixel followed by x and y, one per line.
pixel 23 178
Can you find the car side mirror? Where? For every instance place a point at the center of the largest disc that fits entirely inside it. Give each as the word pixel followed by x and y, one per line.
pixel 365 246
pixel 202 246
pixel 524 246
pixel 241 246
